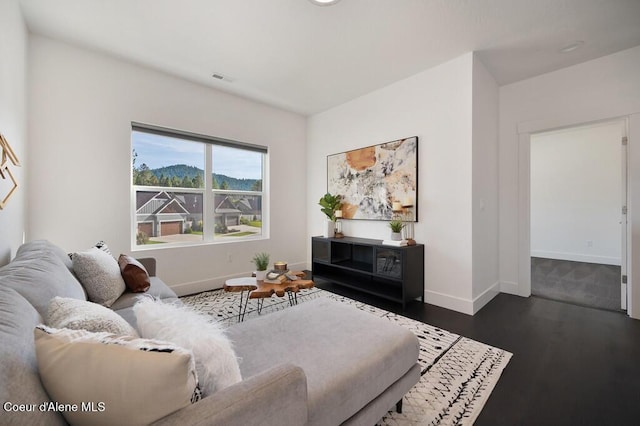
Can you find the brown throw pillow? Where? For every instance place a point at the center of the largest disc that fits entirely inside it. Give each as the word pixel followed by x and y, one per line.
pixel 134 274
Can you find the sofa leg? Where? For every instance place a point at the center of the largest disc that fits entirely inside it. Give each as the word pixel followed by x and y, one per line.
pixel 399 407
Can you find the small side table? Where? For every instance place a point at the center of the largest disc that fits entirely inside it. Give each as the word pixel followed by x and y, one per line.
pixel 261 290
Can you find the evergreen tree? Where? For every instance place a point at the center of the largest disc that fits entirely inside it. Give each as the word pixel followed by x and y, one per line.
pixel 257 185
pixel 197 181
pixel 134 157
pixel 145 176
pixel 164 180
pixel 224 185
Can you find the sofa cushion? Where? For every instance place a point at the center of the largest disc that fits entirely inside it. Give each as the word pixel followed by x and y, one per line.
pixel 34 247
pixel 38 274
pixel 100 275
pixel 138 381
pixel 216 362
pixel 158 290
pixel 19 378
pixel 134 274
pixel 337 346
pixel 83 315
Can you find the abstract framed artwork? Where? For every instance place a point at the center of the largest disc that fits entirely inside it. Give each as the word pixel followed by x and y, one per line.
pixel 370 179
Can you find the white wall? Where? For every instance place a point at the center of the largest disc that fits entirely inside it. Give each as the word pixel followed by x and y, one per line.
pixel 485 185
pixel 576 194
pixel 599 89
pixel 81 107
pixel 13 122
pixel 434 105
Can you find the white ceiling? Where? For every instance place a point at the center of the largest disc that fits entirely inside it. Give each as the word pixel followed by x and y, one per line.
pixel 306 59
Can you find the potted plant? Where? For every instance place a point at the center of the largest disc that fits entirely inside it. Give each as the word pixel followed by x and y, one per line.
pixel 261 260
pixel 330 203
pixel 396 229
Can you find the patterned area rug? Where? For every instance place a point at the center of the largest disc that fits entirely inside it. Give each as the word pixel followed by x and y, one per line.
pixel 458 374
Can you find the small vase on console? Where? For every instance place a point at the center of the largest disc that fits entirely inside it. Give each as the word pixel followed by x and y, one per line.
pixel 329 229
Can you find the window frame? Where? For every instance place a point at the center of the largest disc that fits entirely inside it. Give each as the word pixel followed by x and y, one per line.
pixel 208 192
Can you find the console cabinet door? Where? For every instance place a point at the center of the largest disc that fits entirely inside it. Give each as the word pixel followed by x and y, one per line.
pixel 320 250
pixel 389 262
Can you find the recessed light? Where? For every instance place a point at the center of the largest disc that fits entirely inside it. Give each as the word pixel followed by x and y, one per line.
pixel 324 2
pixel 572 46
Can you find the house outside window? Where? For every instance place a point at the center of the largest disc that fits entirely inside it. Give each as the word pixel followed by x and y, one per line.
pixel 190 189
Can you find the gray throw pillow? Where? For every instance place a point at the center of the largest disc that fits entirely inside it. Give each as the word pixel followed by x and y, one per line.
pixel 99 274
pixel 82 315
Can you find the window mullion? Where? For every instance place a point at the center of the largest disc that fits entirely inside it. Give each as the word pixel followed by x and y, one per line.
pixel 208 216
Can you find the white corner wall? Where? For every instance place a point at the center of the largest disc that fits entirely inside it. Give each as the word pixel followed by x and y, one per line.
pixel 486 283
pixel 434 105
pixel 81 107
pixel 13 122
pixel 576 194
pixel 600 89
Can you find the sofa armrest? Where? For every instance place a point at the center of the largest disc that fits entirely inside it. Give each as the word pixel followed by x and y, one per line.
pixel 149 264
pixel 277 396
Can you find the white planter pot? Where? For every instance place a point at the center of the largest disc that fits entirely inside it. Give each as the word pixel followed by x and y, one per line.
pixel 396 236
pixel 260 275
pixel 329 229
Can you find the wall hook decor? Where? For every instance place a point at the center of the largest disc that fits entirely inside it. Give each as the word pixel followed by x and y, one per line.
pixel 7 158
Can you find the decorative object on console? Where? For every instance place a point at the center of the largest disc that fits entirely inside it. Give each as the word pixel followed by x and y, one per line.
pixel 408 231
pixel 330 205
pixel 7 155
pixel 338 233
pixel 261 260
pixel 369 178
pixel 396 226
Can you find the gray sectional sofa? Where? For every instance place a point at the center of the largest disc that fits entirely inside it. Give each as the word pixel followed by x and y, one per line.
pixel 318 363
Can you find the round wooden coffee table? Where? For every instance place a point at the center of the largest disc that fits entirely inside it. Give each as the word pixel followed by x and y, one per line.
pixel 261 290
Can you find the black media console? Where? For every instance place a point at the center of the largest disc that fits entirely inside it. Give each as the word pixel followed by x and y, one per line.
pixel 394 273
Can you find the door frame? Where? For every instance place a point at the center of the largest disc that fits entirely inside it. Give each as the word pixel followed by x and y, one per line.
pixel 525 130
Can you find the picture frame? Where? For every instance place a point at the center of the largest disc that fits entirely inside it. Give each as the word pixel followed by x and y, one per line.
pixel 7 156
pixel 371 179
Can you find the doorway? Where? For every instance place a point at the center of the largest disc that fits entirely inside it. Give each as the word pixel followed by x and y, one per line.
pixel 578 214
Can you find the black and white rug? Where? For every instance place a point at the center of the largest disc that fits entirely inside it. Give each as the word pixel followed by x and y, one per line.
pixel 458 374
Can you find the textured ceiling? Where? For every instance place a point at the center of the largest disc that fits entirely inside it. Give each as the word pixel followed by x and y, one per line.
pixel 305 58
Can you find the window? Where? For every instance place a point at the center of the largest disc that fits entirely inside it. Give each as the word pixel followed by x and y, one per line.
pixel 192 189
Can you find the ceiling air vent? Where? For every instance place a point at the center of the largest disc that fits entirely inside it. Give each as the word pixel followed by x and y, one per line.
pixel 221 77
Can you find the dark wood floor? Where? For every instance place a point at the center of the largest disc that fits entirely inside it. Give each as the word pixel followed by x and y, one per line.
pixel 571 365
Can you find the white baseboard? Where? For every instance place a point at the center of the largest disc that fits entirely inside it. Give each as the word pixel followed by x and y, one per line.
pixel 447 301
pixel 215 283
pixel 576 257
pixel 485 297
pixel 459 304
pixel 509 287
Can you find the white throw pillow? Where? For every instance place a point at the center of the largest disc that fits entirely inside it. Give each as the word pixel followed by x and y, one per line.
pixel 77 314
pixel 114 380
pixel 216 361
pixel 100 275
